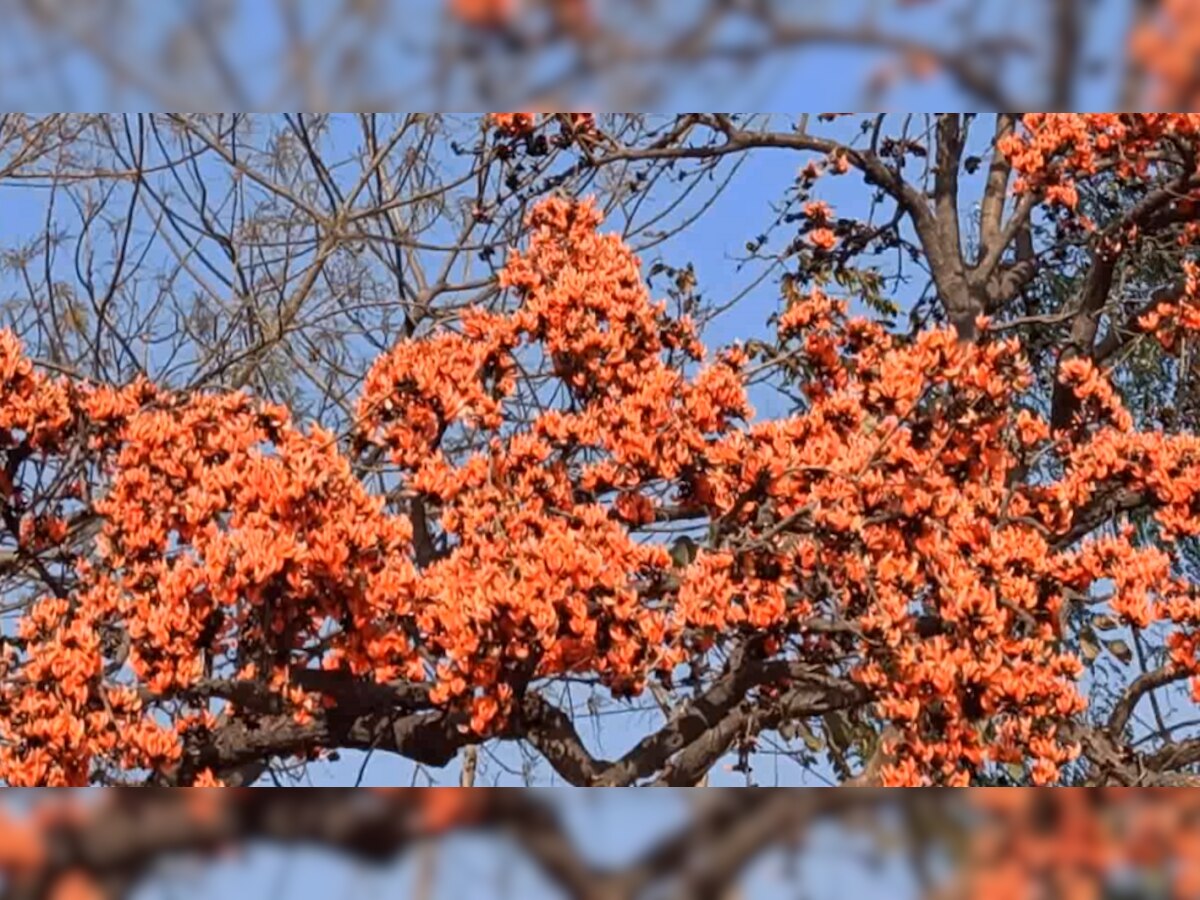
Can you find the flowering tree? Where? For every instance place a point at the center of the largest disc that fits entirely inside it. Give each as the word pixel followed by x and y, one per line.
pixel 1055 54
pixel 1038 56
pixel 964 557
pixel 985 843
pixel 617 54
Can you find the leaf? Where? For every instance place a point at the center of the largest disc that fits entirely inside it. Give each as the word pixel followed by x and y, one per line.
pixel 685 280
pixel 76 319
pixel 1120 650
pixel 1105 623
pixel 1089 646
pixel 683 551
pixel 835 726
pixel 812 740
pixel 755 347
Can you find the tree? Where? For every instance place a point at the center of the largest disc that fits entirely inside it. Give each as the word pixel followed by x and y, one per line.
pixel 965 556
pixel 1100 845
pixel 618 54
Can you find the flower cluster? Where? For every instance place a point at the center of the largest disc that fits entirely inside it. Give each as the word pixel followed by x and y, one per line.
pixel 1051 152
pixel 485 13
pixel 876 535
pixel 1165 47
pixel 1079 844
pixel 523 124
pixel 231 542
pixel 1170 321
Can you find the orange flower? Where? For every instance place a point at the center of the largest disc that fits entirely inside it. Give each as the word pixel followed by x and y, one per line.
pixel 886 505
pixel 486 14
pixel 822 239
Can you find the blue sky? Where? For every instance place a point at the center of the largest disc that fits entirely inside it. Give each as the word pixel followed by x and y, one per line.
pixel 399 64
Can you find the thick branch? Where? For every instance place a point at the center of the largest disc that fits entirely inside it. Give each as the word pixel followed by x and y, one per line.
pixel 1141 686
pixel 390 719
pixel 130 832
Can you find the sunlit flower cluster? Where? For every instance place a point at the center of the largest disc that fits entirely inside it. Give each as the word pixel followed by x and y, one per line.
pixel 875 535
